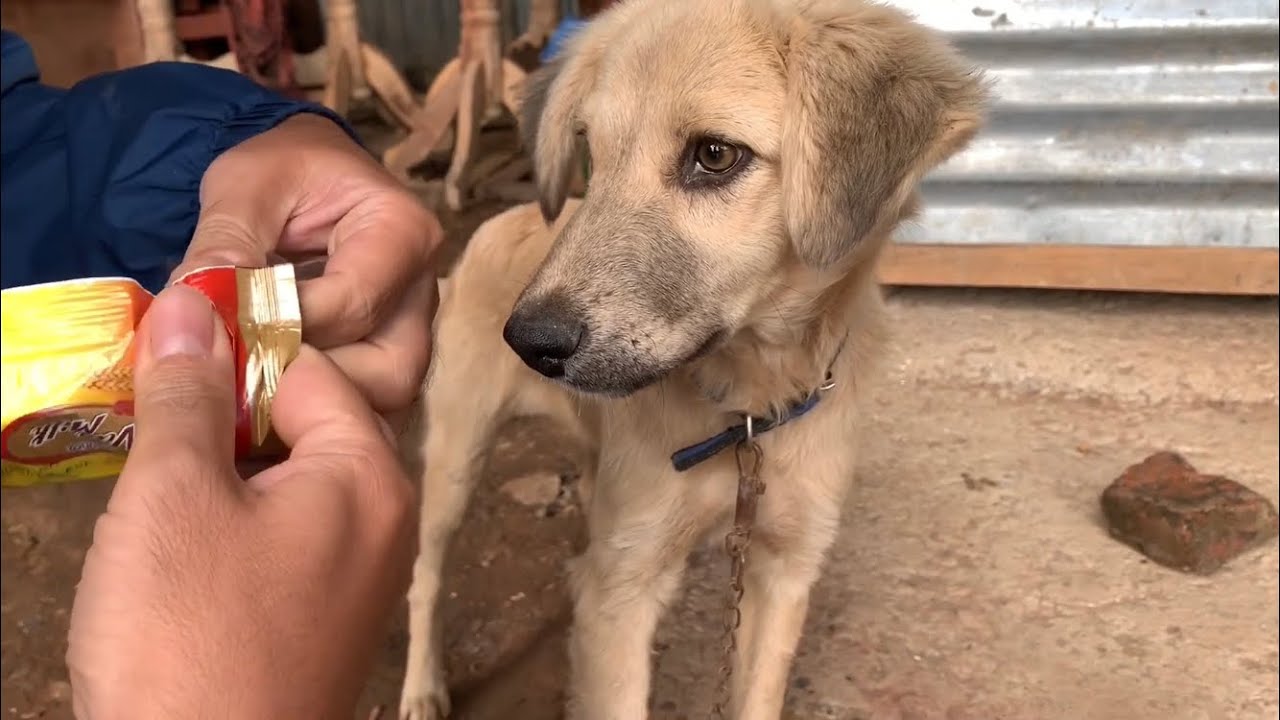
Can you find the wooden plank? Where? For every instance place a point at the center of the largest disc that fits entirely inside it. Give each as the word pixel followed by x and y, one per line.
pixel 129 45
pixel 1198 270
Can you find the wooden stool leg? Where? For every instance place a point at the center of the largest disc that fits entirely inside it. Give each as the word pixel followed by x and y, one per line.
pixel 343 37
pixel 429 123
pixel 471 108
pixel 337 83
pixel 447 76
pixel 386 83
pixel 543 16
pixel 159 38
pixel 513 79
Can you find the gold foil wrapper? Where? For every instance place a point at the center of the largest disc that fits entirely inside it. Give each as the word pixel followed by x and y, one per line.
pixel 270 319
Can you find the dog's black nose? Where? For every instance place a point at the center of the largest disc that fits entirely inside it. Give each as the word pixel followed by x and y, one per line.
pixel 545 333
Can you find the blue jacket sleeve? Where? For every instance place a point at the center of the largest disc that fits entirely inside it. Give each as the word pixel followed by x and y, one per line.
pixel 103 179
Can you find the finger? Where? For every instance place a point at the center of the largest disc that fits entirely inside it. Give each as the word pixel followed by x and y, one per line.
pixel 184 389
pixel 320 415
pixel 240 223
pixel 389 365
pixel 379 250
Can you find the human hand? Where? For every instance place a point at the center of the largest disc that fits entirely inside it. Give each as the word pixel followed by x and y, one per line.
pixel 207 596
pixel 304 189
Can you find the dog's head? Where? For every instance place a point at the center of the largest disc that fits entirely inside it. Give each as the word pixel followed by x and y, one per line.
pixel 732 144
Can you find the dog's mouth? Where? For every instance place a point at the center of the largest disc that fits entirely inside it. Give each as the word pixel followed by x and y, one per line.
pixel 555 337
pixel 618 375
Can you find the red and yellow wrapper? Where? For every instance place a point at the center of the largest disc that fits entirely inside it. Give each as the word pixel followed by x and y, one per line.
pixel 68 352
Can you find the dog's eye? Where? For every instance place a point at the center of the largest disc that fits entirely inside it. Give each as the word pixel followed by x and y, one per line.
pixel 709 163
pixel 716 156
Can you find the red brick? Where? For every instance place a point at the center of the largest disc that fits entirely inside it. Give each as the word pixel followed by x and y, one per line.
pixel 1183 519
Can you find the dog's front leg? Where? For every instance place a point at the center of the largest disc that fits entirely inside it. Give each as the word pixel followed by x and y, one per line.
pixel 774 606
pixel 621 584
pixel 459 421
pixel 425 695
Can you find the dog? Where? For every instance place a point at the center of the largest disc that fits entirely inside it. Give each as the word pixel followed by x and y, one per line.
pixel 749 160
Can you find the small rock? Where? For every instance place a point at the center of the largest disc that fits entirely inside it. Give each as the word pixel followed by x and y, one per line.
pixel 537 490
pixel 1180 518
pixel 976 483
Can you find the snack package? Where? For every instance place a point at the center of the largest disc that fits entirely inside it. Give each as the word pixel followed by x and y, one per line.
pixel 68 351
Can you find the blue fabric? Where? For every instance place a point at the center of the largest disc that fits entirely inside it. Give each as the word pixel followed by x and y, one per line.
pixel 103 179
pixel 567 28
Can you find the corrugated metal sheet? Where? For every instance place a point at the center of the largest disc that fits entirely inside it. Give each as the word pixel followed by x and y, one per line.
pixel 1117 122
pixel 420 36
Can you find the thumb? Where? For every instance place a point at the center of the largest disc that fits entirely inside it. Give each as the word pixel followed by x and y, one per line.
pixel 184 390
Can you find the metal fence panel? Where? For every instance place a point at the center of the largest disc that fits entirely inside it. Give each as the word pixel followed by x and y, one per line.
pixel 1116 122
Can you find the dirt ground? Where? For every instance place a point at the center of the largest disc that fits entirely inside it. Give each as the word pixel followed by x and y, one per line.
pixel 973 578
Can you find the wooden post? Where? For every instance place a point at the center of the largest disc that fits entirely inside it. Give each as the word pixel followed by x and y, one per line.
pixel 475 82
pixel 159 40
pixel 543 17
pixel 356 68
pixel 342 38
pixel 480 40
pixel 127 33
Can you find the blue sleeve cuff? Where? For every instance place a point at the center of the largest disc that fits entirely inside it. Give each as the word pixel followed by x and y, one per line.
pixel 256 119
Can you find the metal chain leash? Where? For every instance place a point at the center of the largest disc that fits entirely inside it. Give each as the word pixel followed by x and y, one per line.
pixel 750 487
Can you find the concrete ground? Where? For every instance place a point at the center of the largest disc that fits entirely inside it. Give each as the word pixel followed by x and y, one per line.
pixel 973 578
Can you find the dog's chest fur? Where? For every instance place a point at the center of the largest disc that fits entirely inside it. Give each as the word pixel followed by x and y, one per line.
pixel 807 464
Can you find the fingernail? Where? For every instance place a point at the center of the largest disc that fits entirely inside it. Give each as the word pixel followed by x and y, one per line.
pixel 181 322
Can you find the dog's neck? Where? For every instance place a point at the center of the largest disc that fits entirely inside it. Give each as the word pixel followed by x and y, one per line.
pixel 797 335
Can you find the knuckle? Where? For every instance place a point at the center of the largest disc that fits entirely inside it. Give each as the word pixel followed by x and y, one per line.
pixel 227 232
pixel 402 509
pixel 433 231
pixel 415 221
pixel 406 373
pixel 366 308
pixel 375 491
pixel 392 497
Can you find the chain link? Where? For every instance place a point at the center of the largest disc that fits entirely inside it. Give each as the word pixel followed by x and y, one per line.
pixel 749 457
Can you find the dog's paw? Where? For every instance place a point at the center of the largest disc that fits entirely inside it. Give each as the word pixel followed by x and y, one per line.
pixel 424 706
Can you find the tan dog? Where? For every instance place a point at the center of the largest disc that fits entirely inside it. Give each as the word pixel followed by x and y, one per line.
pixel 749 160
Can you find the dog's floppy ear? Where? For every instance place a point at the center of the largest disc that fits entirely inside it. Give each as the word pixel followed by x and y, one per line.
pixel 874 101
pixel 547 117
pixel 533 101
